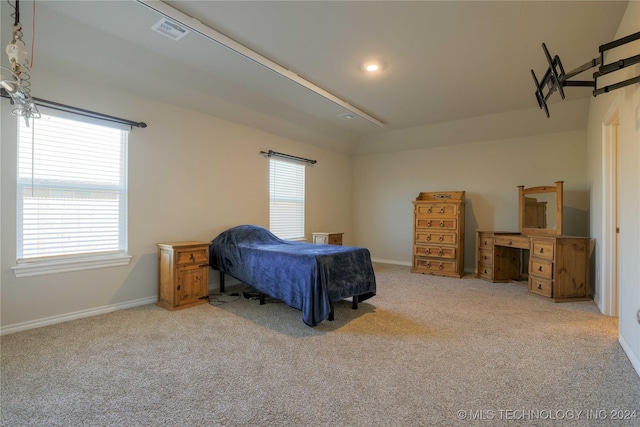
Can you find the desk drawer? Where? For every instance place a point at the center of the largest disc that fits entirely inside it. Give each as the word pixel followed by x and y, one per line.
pixel 485 256
pixel 542 249
pixel 516 241
pixel 485 271
pixel 541 268
pixel 485 241
pixel 539 286
pixel 436 251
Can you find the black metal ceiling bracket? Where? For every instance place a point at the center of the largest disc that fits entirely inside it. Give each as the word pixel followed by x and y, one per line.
pixel 555 78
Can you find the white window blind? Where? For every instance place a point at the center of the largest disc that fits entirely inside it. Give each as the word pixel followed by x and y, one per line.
pixel 286 190
pixel 72 189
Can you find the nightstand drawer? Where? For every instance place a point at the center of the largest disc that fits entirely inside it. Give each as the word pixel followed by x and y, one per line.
pixel 192 256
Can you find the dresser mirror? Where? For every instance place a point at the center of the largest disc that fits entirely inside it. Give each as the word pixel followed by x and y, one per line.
pixel 540 210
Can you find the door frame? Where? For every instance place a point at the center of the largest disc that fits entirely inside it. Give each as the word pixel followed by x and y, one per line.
pixel 608 301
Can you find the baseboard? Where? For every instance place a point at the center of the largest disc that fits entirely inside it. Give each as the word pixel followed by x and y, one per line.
pixel 408 264
pixel 391 261
pixel 33 324
pixel 632 357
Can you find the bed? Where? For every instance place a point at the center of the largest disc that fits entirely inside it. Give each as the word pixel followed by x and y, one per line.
pixel 307 276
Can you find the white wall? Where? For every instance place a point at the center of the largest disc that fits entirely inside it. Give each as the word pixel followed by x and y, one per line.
pixel 191 176
pixel 627 103
pixel 489 173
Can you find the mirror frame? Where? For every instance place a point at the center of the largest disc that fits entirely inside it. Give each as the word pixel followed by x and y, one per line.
pixel 522 192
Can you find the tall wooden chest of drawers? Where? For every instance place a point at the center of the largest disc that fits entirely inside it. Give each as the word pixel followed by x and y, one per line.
pixel 438 233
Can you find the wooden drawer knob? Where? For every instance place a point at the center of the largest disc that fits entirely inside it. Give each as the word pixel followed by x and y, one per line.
pixel 429 210
pixel 441 238
pixel 441 223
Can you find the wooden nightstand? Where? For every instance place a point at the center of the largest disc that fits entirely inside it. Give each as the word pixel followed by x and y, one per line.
pixel 328 238
pixel 183 274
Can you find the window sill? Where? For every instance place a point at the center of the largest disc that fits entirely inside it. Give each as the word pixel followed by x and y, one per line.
pixel 38 268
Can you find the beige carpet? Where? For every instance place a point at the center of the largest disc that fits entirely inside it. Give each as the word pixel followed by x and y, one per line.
pixel 425 351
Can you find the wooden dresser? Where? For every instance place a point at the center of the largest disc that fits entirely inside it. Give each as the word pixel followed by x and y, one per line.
pixel 438 233
pixel 183 274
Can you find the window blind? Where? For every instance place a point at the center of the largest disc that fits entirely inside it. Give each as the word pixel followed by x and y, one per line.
pixel 286 190
pixel 71 189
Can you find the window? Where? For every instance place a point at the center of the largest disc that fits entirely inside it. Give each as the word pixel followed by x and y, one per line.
pixel 286 193
pixel 72 190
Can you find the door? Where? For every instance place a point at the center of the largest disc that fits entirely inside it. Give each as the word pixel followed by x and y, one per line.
pixel 192 284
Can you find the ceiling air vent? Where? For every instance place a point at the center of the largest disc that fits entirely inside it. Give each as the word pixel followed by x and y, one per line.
pixel 170 29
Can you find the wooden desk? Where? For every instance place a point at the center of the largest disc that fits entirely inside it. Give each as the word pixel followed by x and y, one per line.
pixel 556 267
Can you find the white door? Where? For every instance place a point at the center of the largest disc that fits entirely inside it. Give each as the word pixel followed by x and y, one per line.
pixel 629 223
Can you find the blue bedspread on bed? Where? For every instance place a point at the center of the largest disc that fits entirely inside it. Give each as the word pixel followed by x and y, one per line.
pixel 306 276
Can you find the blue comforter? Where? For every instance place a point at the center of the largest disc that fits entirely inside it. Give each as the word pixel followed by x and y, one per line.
pixel 305 276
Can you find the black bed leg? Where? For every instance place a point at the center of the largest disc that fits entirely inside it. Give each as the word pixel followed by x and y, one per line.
pixel 221 282
pixel 331 312
pixel 262 299
pixel 354 303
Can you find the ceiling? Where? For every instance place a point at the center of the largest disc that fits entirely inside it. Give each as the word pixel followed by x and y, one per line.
pixel 443 61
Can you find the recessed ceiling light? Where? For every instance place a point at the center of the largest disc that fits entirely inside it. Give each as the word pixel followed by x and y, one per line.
pixel 372 66
pixel 346 116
